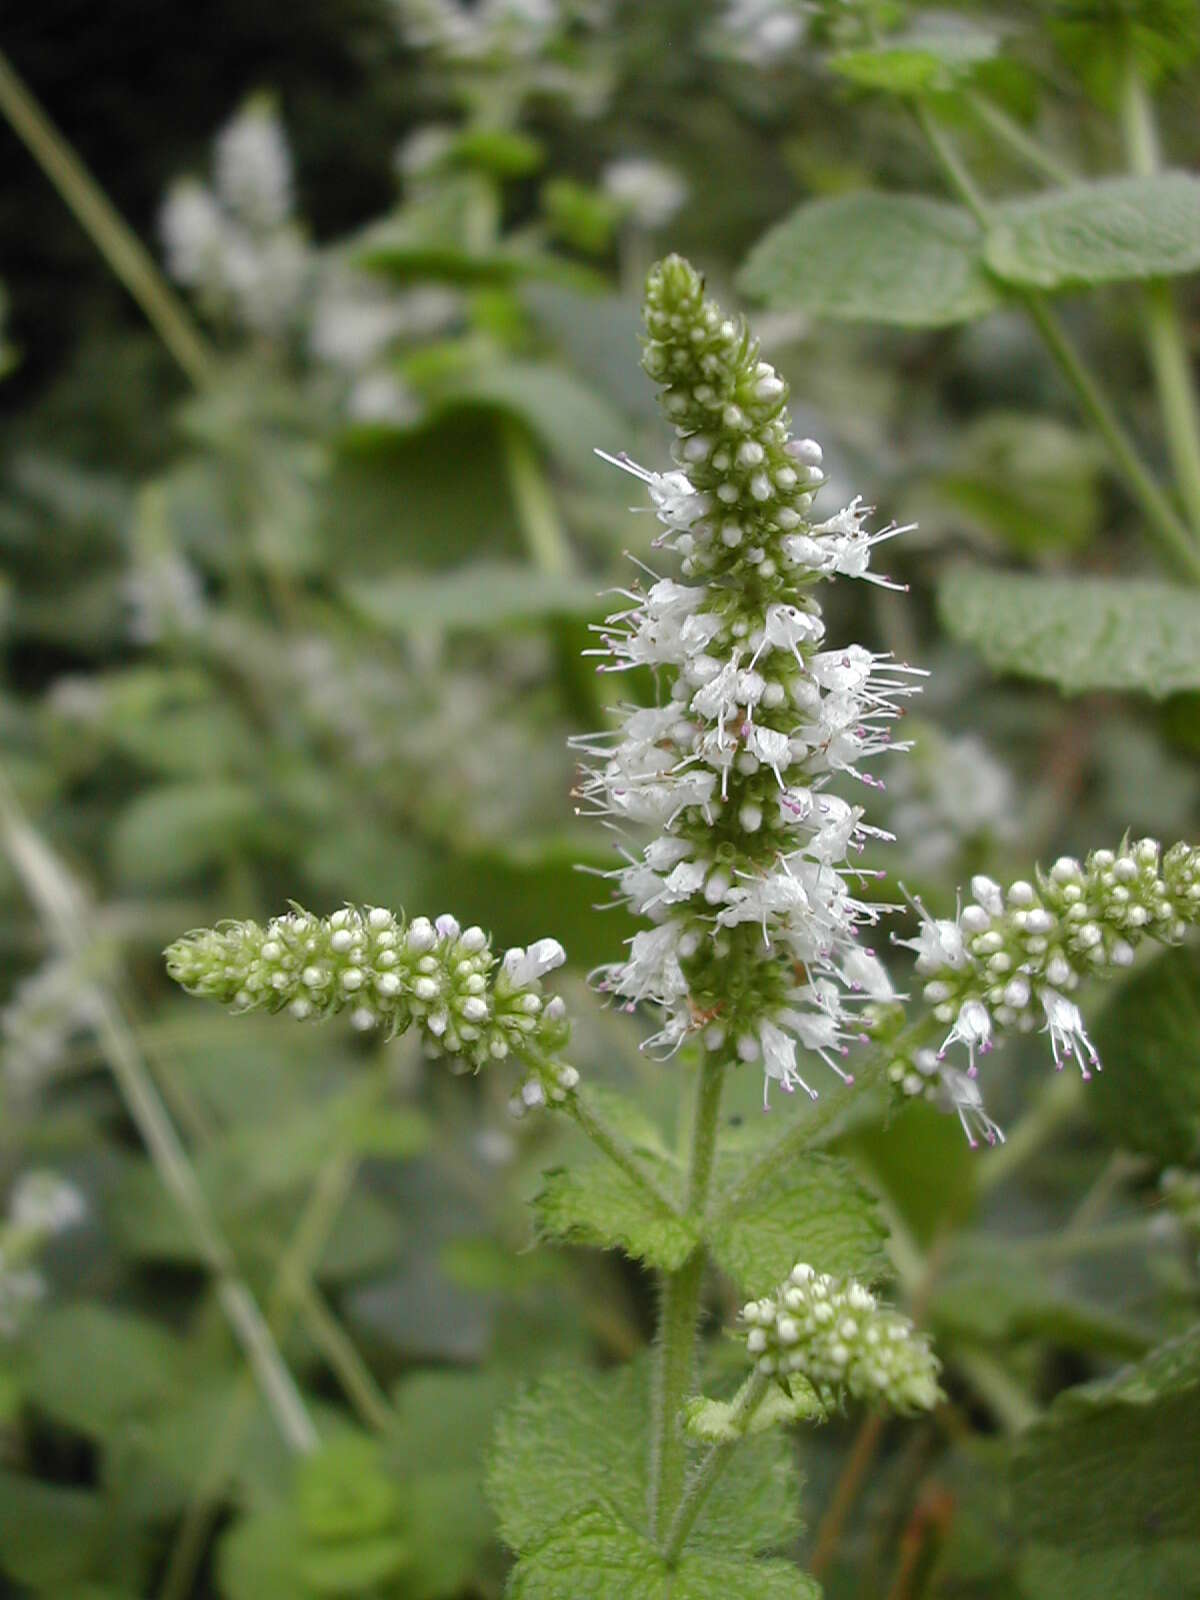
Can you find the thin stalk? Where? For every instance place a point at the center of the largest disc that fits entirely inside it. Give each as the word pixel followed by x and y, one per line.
pixel 340 1353
pixel 679 1308
pixel 545 538
pixel 853 1475
pixel 325 1201
pixel 1166 344
pixel 710 1469
pixel 62 909
pixel 1171 532
pixel 1009 1403
pixel 1055 1105
pixel 606 1138
pixel 1022 145
pixel 109 232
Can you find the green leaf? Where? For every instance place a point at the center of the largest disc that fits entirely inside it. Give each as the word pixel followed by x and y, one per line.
pixel 435 1448
pixel 1113 230
pixel 482 596
pixel 814 1209
pixel 999 1297
pixel 256 1558
pixel 579 1441
pixel 874 258
pixel 1148 1036
pixel 48 1534
pixel 1105 1484
pixel 169 832
pixel 594 1202
pixel 95 1369
pixel 565 415
pixel 595 1556
pixel 923 59
pixel 1080 633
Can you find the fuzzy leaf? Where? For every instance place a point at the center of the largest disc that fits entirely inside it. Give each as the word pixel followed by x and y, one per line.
pixel 594 1556
pixel 593 1202
pixel 579 1442
pixel 1113 230
pixel 1148 1036
pixel 1080 633
pixel 1105 1484
pixel 815 1210
pixel 874 258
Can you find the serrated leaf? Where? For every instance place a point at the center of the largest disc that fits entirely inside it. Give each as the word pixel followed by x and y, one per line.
pixel 95 1369
pixel 1079 633
pixel 923 59
pixel 1148 1036
pixel 482 596
pixel 594 1556
pixel 581 1440
pixel 593 1202
pixel 1105 1484
pixel 867 257
pixel 814 1210
pixel 1113 230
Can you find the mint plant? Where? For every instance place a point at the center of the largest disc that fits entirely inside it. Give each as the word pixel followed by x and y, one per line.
pixel 753 962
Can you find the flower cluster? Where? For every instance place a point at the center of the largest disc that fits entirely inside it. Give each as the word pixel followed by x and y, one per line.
pixel 1011 958
pixel 755 936
pixel 391 974
pixel 41 1205
pixel 834 1334
pixel 236 244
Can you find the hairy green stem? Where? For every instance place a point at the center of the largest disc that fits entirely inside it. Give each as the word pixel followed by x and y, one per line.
pixel 62 909
pixel 606 1138
pixel 679 1309
pixel 710 1469
pixel 1171 532
pixel 1165 341
pixel 112 236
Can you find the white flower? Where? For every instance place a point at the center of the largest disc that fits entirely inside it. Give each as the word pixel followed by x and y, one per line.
pixel 960 1093
pixel 253 167
pixel 523 967
pixel 939 943
pixel 651 192
pixel 45 1203
pixel 1068 1036
pixel 779 1062
pixel 194 235
pixel 973 1028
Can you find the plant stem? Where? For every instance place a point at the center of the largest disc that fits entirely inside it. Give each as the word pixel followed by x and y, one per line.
pixel 1025 148
pixel 291 1279
pixel 1165 342
pixel 112 236
pixel 679 1310
pixel 1172 534
pixel 617 1149
pixel 1056 1103
pixel 538 515
pixel 850 1481
pixel 711 1468
pixel 63 910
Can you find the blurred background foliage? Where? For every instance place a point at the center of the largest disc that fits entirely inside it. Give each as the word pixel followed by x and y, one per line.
pixel 295 590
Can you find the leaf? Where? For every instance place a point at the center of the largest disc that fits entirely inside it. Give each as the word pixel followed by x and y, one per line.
pixel 927 58
pixel 814 1210
pixel 1113 230
pixel 594 1556
pixel 48 1534
pixel 256 1558
pixel 1105 1484
pixel 1000 1297
pixel 593 1202
pixel 566 417
pixel 579 1441
pixel 874 258
pixel 169 832
pixel 1079 633
pixel 435 1447
pixel 95 1369
pixel 1148 1036
pixel 481 596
